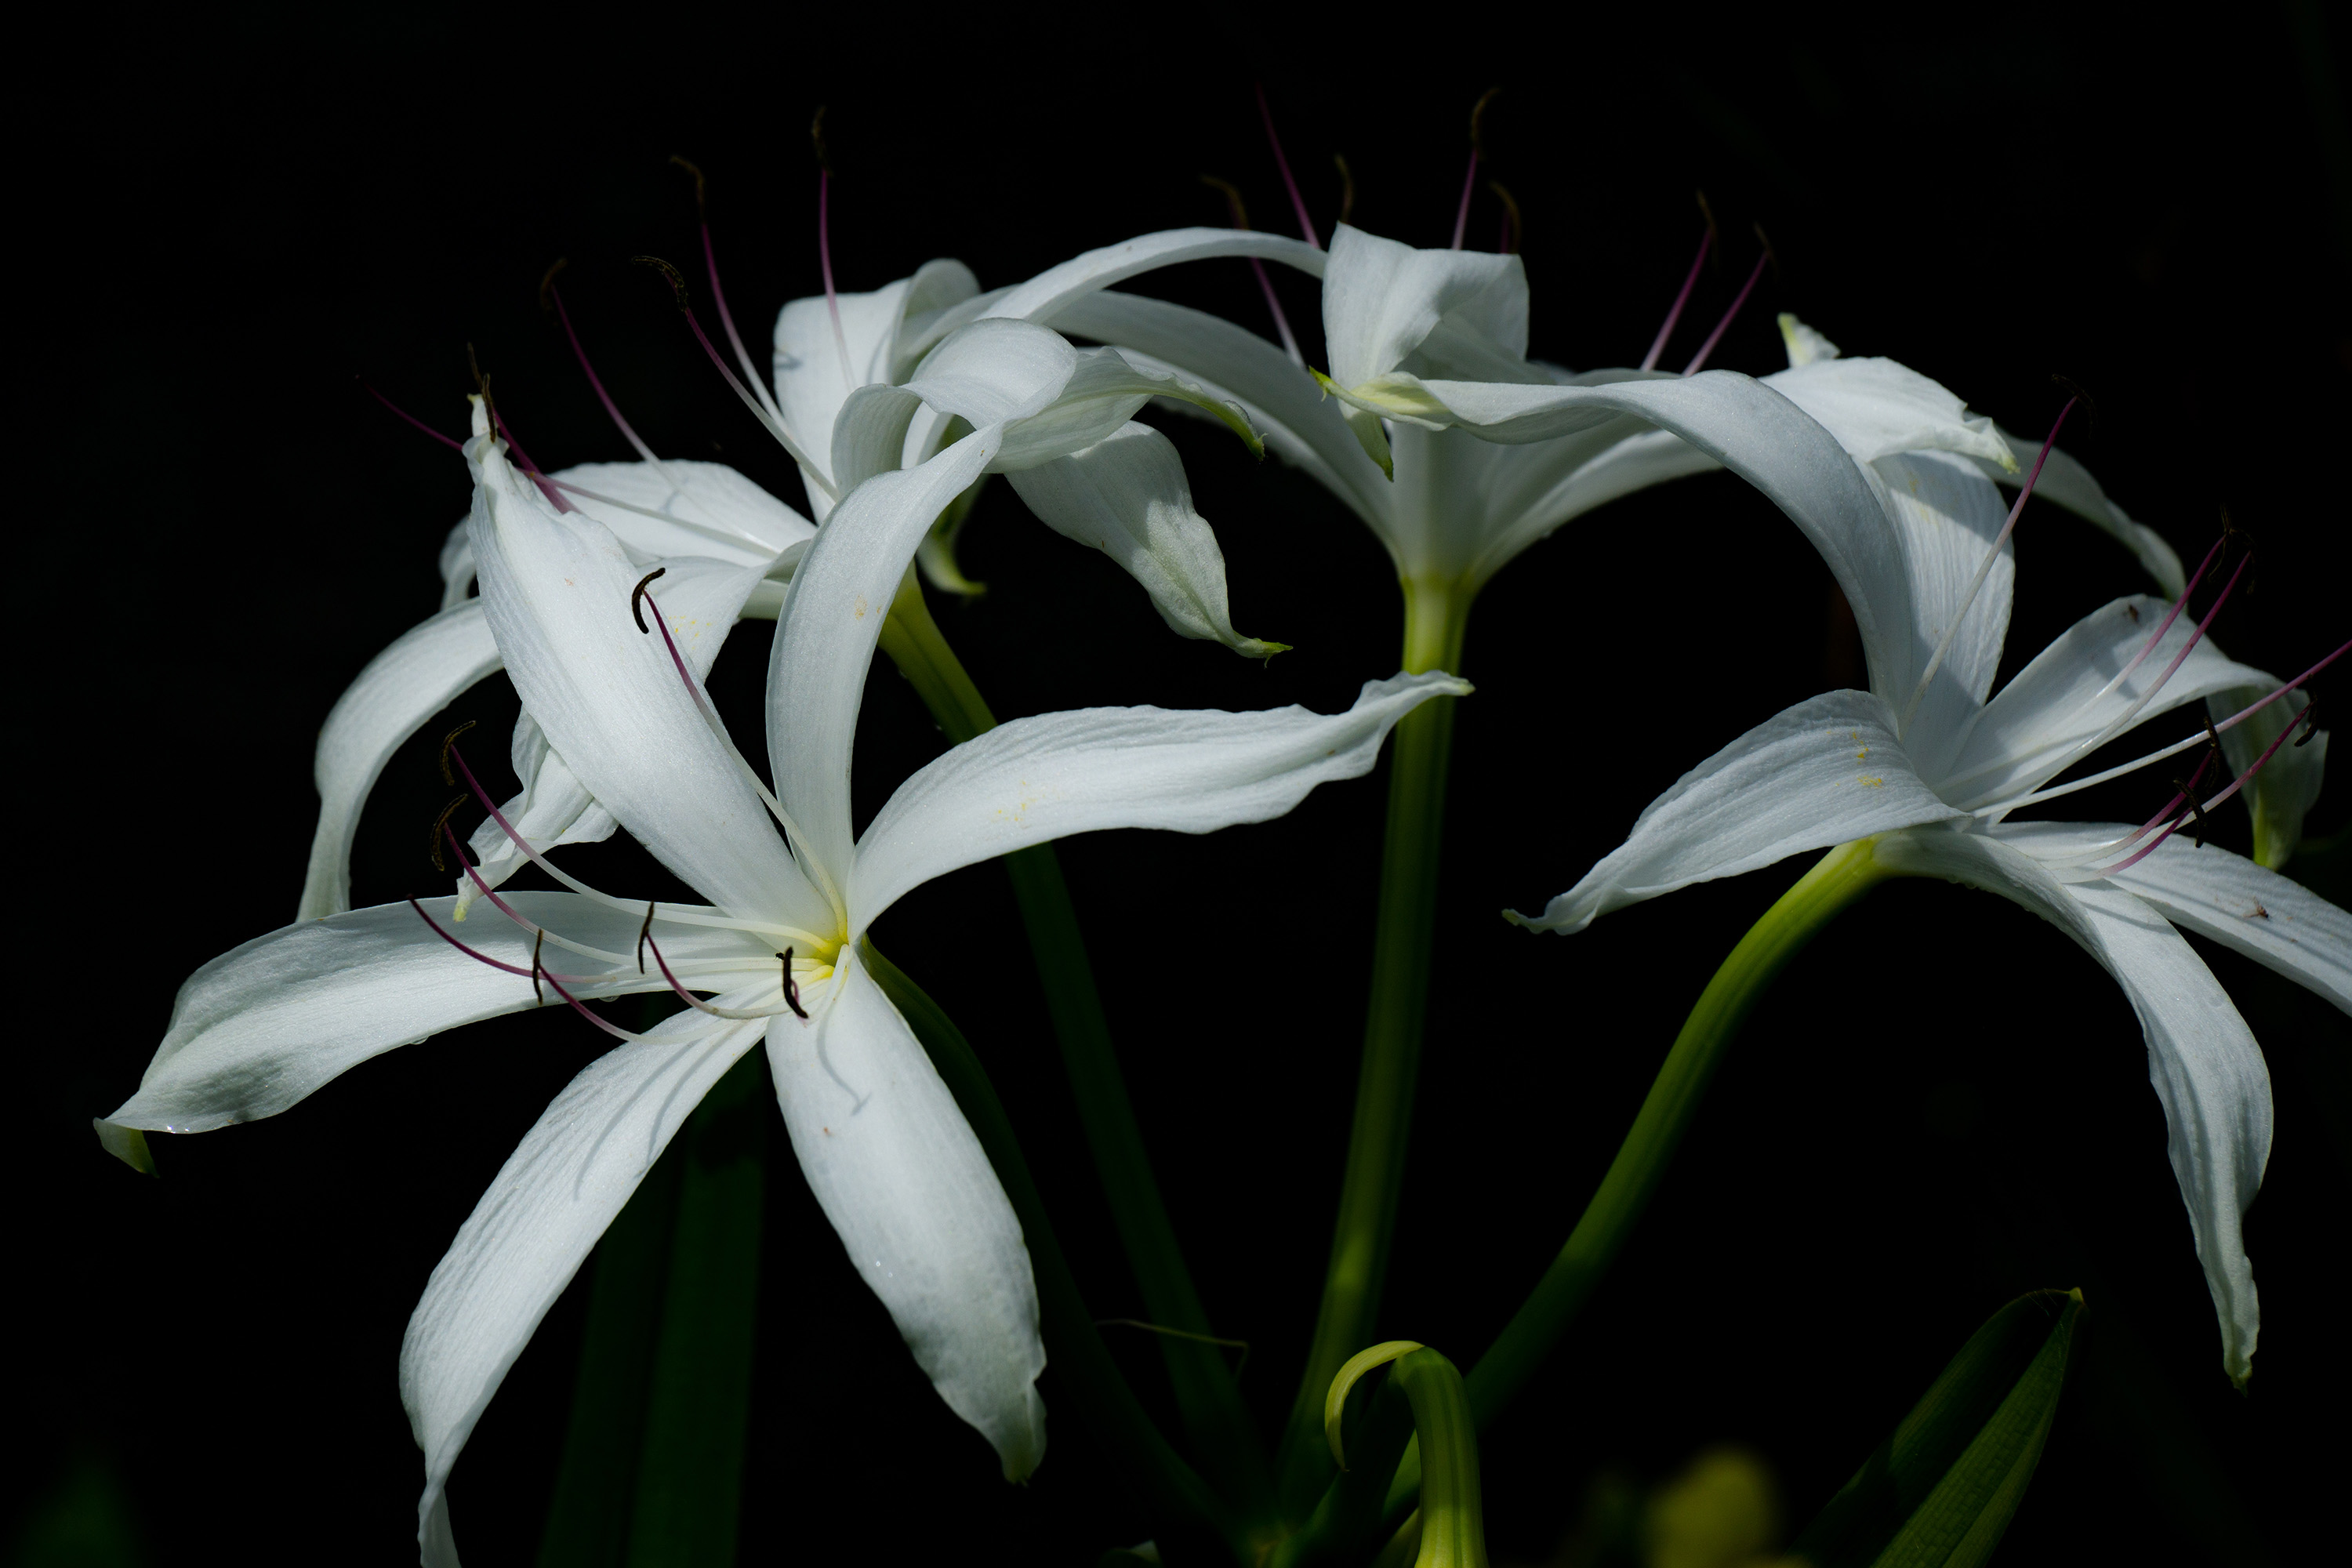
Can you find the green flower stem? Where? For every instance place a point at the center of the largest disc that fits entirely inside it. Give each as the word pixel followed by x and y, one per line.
pixel 1206 1398
pixel 1837 880
pixel 1182 1508
pixel 1436 614
pixel 1453 1520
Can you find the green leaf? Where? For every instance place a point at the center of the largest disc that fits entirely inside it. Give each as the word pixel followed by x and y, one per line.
pixel 1940 1491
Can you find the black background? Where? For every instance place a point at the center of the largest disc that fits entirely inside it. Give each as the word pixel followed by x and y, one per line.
pixel 1941 1105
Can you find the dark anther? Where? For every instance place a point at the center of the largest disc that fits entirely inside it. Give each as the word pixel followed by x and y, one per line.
pixel 547 284
pixel 690 169
pixel 1477 114
pixel 440 825
pixel 2073 389
pixel 2310 723
pixel 1511 212
pixel 644 931
pixel 816 140
pixel 448 741
pixel 539 997
pixel 637 594
pixel 1714 234
pixel 1770 254
pixel 2194 811
pixel 792 991
pixel 1233 208
pixel 676 281
pixel 1347 188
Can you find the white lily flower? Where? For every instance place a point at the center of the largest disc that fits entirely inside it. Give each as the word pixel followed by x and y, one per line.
pixel 1459 451
pixel 1930 764
pixel 884 1147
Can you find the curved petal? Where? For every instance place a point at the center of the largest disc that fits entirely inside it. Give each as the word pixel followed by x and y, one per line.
pixel 2069 484
pixel 1383 301
pixel 917 1206
pixel 825 637
pixel 1541 486
pixel 812 380
pixel 1877 407
pixel 701 599
pixel 1826 772
pixel 559 592
pixel 1297 420
pixel 1128 497
pixel 456 567
pixel 1948 515
pixel 2288 785
pixel 407 683
pixel 1058 773
pixel 542 1214
pixel 268 1023
pixel 2273 920
pixel 1047 294
pixel 2053 711
pixel 988 373
pixel 675 507
pixel 1103 391
pixel 2201 1057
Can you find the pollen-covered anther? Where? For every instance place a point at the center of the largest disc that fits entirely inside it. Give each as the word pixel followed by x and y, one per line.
pixel 440 828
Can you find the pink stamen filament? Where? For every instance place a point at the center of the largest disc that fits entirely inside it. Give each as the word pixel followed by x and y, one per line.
pixel 727 321
pixel 697 1003
pixel 2236 784
pixel 774 424
pixel 1297 203
pixel 597 383
pixel 1658 346
pixel 1281 321
pixel 2231 722
pixel 1724 325
pixel 1984 569
pixel 825 264
pixel 546 486
pixel 529 925
pixel 732 535
pixel 1469 184
pixel 480 957
pixel 451 442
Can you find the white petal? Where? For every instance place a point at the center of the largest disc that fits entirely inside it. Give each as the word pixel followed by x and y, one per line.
pixel 2285 791
pixel 825 640
pixel 558 593
pixel 1382 300
pixel 1128 497
pixel 266 1024
pixel 1538 488
pixel 1876 407
pixel 456 567
pixel 402 687
pixel 1058 773
pixel 918 1207
pixel 1298 421
pixel 813 382
pixel 1804 344
pixel 1826 772
pixel 1949 515
pixel 2068 484
pixel 706 509
pixel 2201 1057
pixel 2273 920
pixel 542 1214
pixel 701 599
pixel 987 373
pixel 2044 718
pixel 1102 392
pixel 1046 295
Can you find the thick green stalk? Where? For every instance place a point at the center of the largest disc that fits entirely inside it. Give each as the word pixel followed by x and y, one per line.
pixel 689 1483
pixel 1436 614
pixel 1183 1511
pixel 1839 878
pixel 1206 1398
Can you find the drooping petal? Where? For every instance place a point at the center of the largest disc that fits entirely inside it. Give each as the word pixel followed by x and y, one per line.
pixel 1298 422
pixel 542 1214
pixel 268 1023
pixel 2048 714
pixel 1103 390
pixel 402 687
pixel 1126 496
pixel 831 621
pixel 1538 488
pixel 558 590
pixel 1383 302
pixel 1826 772
pixel 989 373
pixel 701 599
pixel 1047 777
pixel 1044 296
pixel 2207 1070
pixel 2273 920
pixel 1877 407
pixel 2069 484
pixel 2285 789
pixel 704 509
pixel 917 1206
pixel 813 382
